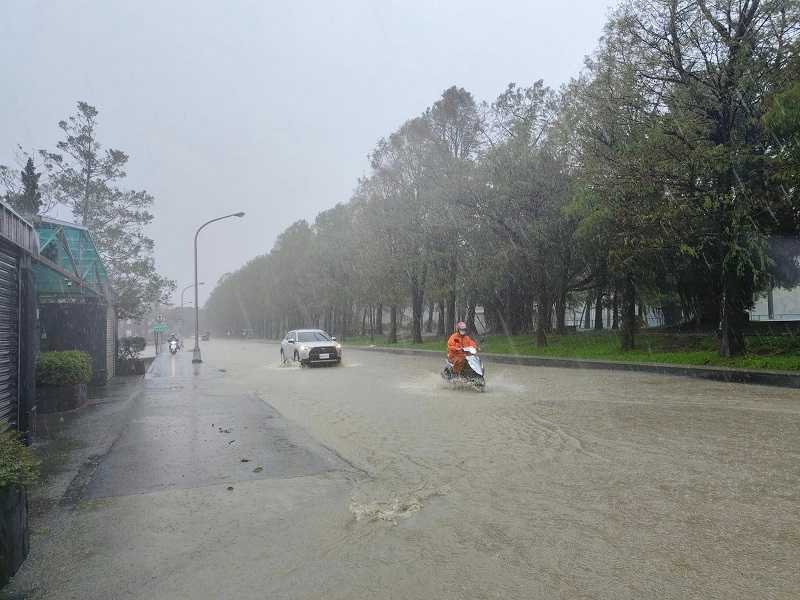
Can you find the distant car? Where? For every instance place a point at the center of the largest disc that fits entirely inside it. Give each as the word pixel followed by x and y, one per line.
pixel 206 336
pixel 310 347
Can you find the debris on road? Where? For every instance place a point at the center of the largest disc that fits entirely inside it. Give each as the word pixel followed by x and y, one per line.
pixel 245 460
pixel 258 469
pixel 230 488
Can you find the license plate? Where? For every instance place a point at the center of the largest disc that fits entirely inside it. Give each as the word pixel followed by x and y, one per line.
pixel 324 356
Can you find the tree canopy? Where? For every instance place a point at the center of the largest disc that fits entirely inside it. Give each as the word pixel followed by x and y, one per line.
pixel 662 178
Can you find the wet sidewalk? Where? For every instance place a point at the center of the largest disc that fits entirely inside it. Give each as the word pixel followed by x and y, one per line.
pixel 71 443
pixel 192 428
pixel 175 454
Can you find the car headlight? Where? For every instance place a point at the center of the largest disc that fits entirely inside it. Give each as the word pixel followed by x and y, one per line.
pixel 338 346
pixel 303 348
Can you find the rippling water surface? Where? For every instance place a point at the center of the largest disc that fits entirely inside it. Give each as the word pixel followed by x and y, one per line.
pixel 553 483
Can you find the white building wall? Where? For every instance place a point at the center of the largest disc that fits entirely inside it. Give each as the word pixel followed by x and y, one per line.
pixel 785 303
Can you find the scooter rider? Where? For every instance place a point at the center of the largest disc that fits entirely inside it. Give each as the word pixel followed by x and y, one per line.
pixel 455 347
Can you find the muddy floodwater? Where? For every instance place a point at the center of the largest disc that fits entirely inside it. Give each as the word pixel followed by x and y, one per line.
pixel 242 478
pixel 554 483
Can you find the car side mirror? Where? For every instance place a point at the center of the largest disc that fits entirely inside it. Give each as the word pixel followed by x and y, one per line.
pixel 333 338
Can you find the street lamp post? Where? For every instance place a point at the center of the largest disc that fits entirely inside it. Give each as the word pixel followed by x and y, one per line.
pixel 183 291
pixel 196 358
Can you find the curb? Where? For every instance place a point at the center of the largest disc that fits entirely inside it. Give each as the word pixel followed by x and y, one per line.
pixel 786 379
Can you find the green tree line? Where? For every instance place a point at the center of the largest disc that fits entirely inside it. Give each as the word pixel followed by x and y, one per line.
pixel 665 174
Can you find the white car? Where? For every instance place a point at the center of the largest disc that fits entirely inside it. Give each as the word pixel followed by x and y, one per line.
pixel 310 347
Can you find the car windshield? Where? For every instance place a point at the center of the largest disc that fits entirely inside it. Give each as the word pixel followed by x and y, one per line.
pixel 312 336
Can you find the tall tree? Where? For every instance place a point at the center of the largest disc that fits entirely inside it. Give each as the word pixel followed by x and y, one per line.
pixel 86 178
pixel 29 200
pixel 457 127
pixel 708 70
pixel 23 189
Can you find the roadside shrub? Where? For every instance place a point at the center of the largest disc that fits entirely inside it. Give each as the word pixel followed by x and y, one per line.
pixel 130 347
pixel 18 466
pixel 68 367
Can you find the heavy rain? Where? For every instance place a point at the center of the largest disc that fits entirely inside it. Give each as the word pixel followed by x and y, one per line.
pixel 400 300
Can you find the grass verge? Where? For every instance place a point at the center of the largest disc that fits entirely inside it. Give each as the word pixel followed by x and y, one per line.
pixel 775 353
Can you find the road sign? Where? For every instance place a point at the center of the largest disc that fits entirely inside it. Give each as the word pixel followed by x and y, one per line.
pixel 159 327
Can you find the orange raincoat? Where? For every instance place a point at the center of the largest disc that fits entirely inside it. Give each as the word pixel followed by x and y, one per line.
pixel 455 350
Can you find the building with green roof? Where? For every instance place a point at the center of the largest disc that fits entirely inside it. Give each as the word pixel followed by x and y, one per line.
pixel 76 300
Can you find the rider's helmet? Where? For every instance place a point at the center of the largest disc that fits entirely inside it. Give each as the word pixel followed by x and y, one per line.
pixel 461 327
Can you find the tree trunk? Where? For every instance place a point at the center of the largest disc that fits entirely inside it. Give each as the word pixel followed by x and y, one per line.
pixel 440 330
pixel 587 312
pixel 541 329
pixel 561 312
pixel 451 310
pixel 364 322
pixel 629 323
pixel 598 311
pixel 499 317
pixel 393 324
pixel 417 314
pixel 671 312
pixel 471 318
pixel 429 324
pixel 371 323
pixel 733 319
pixel 507 313
pixel 548 316
pixel 347 313
pixel 379 320
pixel 615 311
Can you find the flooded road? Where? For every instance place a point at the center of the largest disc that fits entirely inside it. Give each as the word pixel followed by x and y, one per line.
pixel 553 483
pixel 373 480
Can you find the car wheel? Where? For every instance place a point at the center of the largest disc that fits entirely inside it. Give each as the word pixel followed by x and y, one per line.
pixel 283 357
pixel 296 356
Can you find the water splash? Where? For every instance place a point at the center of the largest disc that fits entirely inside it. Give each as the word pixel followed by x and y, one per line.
pixel 386 511
pixel 395 509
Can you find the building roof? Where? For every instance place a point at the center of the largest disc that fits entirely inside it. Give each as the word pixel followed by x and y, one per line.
pixel 69 263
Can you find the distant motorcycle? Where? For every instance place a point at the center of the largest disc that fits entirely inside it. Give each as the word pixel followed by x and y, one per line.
pixel 473 373
pixel 173 346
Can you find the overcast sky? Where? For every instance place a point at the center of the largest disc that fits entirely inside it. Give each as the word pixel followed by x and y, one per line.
pixel 263 106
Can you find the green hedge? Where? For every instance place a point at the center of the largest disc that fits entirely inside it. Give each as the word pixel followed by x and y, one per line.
pixel 63 368
pixel 18 467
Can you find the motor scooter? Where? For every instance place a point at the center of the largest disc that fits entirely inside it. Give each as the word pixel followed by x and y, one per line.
pixel 473 373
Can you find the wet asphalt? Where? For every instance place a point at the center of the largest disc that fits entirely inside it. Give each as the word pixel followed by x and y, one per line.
pixel 184 432
pixel 244 478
